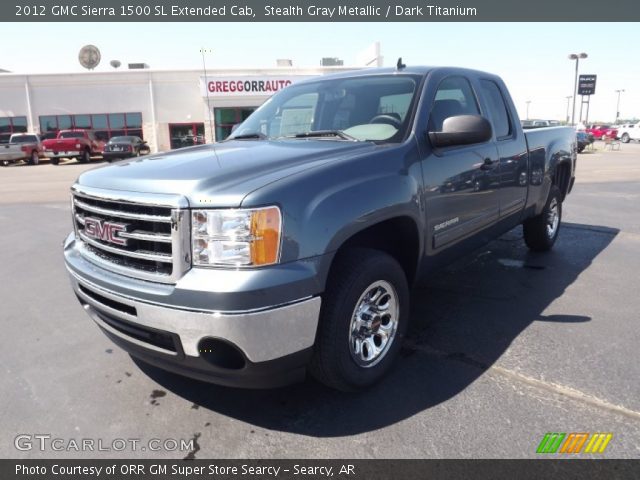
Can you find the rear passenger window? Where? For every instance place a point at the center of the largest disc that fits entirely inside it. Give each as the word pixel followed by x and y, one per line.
pixel 454 97
pixel 498 109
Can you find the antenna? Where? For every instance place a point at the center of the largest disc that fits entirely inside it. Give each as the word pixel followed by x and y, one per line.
pixel 400 65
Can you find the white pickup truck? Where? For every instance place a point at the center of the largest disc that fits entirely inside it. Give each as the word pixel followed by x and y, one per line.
pixel 628 132
pixel 21 146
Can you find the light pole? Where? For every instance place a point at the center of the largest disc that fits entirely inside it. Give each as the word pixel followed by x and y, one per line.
pixel 206 86
pixel 618 105
pixel 576 57
pixel 528 103
pixel 568 97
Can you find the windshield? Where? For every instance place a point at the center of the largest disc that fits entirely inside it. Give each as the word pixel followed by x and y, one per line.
pixel 72 135
pixel 376 108
pixel 122 139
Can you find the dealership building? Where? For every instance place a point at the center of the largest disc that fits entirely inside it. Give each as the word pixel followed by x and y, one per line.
pixel 169 109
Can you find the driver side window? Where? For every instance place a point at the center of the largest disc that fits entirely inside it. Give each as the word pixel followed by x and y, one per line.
pixel 453 97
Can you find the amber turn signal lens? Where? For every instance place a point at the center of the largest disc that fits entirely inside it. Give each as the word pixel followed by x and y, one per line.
pixel 265 230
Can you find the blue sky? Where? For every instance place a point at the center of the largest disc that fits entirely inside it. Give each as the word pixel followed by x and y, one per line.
pixel 531 57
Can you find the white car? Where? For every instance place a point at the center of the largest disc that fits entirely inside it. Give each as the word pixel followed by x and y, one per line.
pixel 628 132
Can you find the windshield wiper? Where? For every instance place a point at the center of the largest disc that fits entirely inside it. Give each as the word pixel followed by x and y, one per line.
pixel 325 133
pixel 249 136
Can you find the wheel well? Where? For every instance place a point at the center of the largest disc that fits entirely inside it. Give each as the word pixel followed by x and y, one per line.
pixel 397 237
pixel 562 177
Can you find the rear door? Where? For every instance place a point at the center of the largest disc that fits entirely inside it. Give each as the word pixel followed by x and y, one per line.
pixel 511 145
pixel 461 182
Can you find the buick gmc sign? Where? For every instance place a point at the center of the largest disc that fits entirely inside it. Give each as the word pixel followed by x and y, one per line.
pixel 253 85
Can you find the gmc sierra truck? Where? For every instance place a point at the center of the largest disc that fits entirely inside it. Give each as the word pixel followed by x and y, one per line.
pixel 291 246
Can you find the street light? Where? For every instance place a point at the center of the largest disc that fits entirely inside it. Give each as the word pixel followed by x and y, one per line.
pixel 568 97
pixel 576 57
pixel 618 104
pixel 203 51
pixel 528 102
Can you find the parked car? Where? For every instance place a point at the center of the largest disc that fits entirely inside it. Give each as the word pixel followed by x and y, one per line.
pixel 536 124
pixel 628 132
pixel 78 144
pixel 601 131
pixel 124 147
pixel 584 140
pixel 292 245
pixel 22 146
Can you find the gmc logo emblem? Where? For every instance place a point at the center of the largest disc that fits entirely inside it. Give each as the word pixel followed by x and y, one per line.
pixel 104 230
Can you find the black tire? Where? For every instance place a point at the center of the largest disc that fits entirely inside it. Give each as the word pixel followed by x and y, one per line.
pixel 34 159
pixel 539 231
pixel 355 273
pixel 5 163
pixel 85 157
pixel 55 161
pixel 625 138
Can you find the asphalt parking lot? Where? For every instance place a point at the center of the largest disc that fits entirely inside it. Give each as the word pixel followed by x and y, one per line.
pixel 505 346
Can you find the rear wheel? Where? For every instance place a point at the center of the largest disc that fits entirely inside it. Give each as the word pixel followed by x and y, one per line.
pixel 541 231
pixel 55 161
pixel 5 163
pixel 364 317
pixel 85 157
pixel 35 159
pixel 625 138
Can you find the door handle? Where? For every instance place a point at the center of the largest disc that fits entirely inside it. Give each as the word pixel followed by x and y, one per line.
pixel 488 164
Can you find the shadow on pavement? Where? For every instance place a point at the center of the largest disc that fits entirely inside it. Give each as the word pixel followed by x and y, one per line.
pixel 470 311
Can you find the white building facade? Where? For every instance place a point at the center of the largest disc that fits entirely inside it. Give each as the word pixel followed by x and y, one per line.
pixel 169 109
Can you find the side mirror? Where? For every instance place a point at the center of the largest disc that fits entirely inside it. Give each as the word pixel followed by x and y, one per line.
pixel 462 130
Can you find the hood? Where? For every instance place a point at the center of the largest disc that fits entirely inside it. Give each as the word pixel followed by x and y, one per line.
pixel 221 174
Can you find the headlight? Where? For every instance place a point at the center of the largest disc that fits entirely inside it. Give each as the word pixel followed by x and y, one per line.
pixel 239 237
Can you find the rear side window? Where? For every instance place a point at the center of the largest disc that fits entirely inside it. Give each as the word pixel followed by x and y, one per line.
pixel 498 109
pixel 454 97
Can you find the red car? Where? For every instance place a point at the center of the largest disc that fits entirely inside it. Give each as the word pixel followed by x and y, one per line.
pixel 79 144
pixel 601 131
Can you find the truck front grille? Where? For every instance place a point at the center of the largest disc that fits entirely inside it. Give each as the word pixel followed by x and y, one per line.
pixel 141 236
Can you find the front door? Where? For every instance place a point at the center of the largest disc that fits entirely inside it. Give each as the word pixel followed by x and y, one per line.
pixel 461 182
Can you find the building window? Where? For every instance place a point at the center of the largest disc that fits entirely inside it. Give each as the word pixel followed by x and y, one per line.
pixel 13 124
pixel 226 118
pixel 105 125
pixel 186 134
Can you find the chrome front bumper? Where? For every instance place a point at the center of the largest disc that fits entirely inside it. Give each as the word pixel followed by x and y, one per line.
pixel 261 335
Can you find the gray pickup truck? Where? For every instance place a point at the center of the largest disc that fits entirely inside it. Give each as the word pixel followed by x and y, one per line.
pixel 21 146
pixel 292 246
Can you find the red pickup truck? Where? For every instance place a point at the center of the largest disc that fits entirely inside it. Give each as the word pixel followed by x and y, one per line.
pixel 78 144
pixel 601 131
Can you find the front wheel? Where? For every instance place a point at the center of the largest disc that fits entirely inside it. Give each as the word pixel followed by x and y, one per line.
pixel 5 163
pixel 364 317
pixel 55 161
pixel 625 138
pixel 541 231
